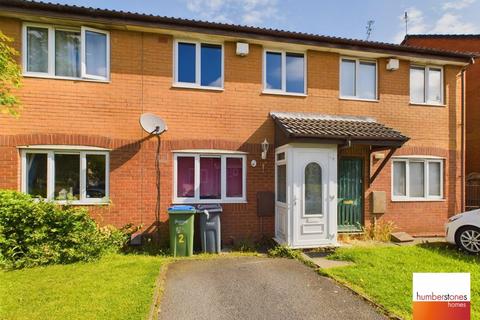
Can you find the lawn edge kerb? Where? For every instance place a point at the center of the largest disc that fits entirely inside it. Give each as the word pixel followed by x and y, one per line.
pixel 353 289
pixel 158 291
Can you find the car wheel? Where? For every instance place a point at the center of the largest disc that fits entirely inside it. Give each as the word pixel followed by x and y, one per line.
pixel 468 238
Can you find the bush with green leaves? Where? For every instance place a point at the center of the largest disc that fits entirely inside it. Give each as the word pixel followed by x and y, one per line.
pixel 35 232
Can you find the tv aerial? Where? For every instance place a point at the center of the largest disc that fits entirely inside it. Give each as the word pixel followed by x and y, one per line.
pixel 152 124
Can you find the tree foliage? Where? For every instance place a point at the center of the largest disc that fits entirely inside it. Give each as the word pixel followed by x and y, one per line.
pixel 10 76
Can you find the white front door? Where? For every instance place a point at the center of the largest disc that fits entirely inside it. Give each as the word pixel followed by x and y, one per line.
pixel 314 196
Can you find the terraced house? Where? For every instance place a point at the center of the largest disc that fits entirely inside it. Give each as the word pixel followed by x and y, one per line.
pixel 298 136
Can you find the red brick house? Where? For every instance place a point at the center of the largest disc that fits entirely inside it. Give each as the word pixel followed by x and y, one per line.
pixel 353 133
pixel 465 43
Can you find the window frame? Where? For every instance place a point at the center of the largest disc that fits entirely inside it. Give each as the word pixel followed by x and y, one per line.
pixel 223 174
pixel 283 90
pixel 51 52
pixel 426 185
pixel 83 177
pixel 281 162
pixel 426 68
pixel 198 67
pixel 357 77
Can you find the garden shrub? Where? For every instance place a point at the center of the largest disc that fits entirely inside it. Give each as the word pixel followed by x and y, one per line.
pixel 34 233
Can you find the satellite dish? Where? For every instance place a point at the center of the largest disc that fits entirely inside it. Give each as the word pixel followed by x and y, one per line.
pixel 152 124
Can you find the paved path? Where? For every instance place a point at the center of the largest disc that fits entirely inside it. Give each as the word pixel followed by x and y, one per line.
pixel 256 288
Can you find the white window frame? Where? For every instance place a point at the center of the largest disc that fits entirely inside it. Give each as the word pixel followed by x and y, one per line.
pixel 425 161
pixel 51 53
pixel 223 188
pixel 83 59
pixel 83 177
pixel 198 67
pixel 426 69
pixel 357 78
pixel 283 90
pixel 278 163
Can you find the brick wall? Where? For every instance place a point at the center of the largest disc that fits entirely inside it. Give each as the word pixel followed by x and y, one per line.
pixel 106 115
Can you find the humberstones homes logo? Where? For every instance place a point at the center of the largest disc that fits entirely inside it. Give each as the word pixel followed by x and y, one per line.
pixel 441 296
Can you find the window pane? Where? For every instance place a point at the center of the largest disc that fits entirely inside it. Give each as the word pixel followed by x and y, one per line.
pixel 367 80
pixel 435 85
pixel 37 174
pixel 210 178
pixel 295 73
pixel 282 183
pixel 417 179
pixel 37 49
pixel 417 85
pixel 67 53
pixel 274 70
pixel 234 177
pixel 347 78
pixel 96 175
pixel 96 53
pixel 313 189
pixel 434 179
pixel 186 62
pixel 185 177
pixel 281 156
pixel 67 176
pixel 211 64
pixel 399 179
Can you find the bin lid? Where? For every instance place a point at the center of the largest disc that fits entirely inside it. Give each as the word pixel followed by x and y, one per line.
pixel 181 209
pixel 210 207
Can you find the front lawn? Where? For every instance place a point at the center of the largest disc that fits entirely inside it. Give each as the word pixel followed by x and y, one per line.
pixel 115 287
pixel 385 273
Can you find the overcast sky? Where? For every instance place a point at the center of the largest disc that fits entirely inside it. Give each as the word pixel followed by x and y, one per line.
pixel 344 18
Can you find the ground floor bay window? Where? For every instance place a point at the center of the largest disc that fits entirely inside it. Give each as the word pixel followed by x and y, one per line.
pixel 76 176
pixel 209 177
pixel 417 179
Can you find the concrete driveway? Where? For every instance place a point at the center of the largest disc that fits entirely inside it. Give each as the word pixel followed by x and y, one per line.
pixel 256 288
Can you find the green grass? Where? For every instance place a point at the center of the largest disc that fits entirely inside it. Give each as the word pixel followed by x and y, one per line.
pixel 384 274
pixel 115 287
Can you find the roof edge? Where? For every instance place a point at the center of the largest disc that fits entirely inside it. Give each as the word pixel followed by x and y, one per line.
pixel 123 17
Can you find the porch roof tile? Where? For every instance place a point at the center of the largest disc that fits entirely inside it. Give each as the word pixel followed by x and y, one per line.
pixel 313 125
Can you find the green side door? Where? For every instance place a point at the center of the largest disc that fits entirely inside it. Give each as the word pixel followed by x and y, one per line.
pixel 350 194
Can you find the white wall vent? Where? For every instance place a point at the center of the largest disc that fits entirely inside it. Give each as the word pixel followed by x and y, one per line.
pixel 242 49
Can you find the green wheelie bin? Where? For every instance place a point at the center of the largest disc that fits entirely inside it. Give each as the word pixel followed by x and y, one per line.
pixel 181 219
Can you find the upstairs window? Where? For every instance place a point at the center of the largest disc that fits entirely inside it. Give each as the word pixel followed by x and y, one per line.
pixel 417 179
pixel 209 178
pixel 358 79
pixel 198 65
pixel 79 177
pixel 284 72
pixel 66 52
pixel 426 85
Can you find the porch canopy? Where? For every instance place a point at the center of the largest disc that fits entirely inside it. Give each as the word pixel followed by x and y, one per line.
pixel 345 131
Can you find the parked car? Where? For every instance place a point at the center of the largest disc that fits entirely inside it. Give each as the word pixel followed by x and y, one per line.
pixel 464 230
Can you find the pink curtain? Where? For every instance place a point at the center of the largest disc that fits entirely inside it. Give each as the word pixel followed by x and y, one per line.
pixel 234 177
pixel 210 178
pixel 186 177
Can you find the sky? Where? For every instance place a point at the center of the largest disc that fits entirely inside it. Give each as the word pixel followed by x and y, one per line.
pixel 342 18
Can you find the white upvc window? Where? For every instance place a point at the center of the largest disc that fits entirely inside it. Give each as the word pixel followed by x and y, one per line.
pixel 209 178
pixel 284 72
pixel 65 52
pixel 198 65
pixel 358 79
pixel 66 175
pixel 417 179
pixel 426 85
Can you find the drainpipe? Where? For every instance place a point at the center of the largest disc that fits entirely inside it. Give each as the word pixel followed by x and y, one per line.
pixel 463 158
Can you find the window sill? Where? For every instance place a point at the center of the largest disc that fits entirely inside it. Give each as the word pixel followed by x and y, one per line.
pixel 47 76
pixel 82 203
pixel 193 86
pixel 284 93
pixel 428 104
pixel 418 200
pixel 359 99
pixel 193 201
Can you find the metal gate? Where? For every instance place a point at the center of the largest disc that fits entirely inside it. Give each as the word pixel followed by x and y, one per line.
pixel 350 194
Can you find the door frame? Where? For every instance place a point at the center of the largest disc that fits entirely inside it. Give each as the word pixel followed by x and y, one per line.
pixel 362 173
